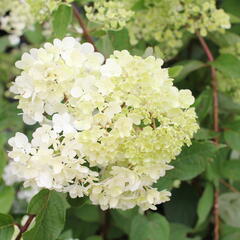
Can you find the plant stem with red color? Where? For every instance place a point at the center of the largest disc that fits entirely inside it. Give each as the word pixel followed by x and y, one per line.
pixel 86 34
pixel 25 227
pixel 215 127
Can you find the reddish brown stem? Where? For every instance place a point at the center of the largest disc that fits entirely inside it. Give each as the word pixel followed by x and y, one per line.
pixel 216 215
pixel 214 85
pixel 215 127
pixel 86 34
pixel 25 227
pixel 229 186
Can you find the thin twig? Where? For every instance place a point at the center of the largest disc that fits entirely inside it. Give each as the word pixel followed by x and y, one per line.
pixel 25 227
pixel 229 186
pixel 216 215
pixel 214 85
pixel 86 34
pixel 215 127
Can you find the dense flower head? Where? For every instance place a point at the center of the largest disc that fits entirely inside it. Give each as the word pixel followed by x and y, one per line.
pixel 228 84
pixel 17 16
pixel 164 21
pixel 168 21
pixel 42 9
pixel 109 129
pixel 112 15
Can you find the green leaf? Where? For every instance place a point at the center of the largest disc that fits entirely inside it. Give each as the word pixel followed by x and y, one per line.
pixel 180 231
pixel 183 205
pixel 175 71
pixel 35 36
pixel 224 40
pixel 215 168
pixel 234 19
pixel 203 104
pixel 227 105
pixel 122 219
pixel 158 226
pixel 50 210
pixel 6 198
pixel 6 227
pixel 62 17
pixel 154 227
pixel 205 134
pixel 104 45
pixel 120 39
pixel 88 213
pixel 229 205
pixel 229 232
pixel 95 238
pixel 233 139
pixel 139 228
pixel 188 66
pixel 232 6
pixel 205 204
pixel 4 43
pixel 228 65
pixel 193 160
pixel 231 169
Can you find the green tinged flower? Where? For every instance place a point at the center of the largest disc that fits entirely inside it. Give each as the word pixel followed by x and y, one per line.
pixel 112 15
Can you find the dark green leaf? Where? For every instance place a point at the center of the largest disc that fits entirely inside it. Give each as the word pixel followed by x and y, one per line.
pixel 139 228
pixel 175 71
pixel 6 227
pixel 231 169
pixel 6 198
pixel 203 104
pixel 154 227
pixel 88 213
pixel 232 6
pixel 120 39
pixel 228 64
pixel 182 206
pixel 4 43
pixel 158 226
pixel 193 160
pixel 224 40
pixel 188 66
pixel 35 36
pixel 233 139
pixel 50 210
pixel 205 204
pixel 62 17
pixel 104 45
pixel 179 232
pixel 95 238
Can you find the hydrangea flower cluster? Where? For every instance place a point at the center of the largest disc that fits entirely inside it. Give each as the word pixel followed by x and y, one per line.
pixel 226 83
pixel 111 15
pixel 164 21
pixel 167 22
pixel 108 128
pixel 15 16
pixel 42 9
pixel 18 15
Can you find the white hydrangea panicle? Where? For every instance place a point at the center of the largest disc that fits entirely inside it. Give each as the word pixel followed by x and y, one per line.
pixel 168 21
pixel 109 130
pixel 51 162
pixel 15 17
pixel 111 15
